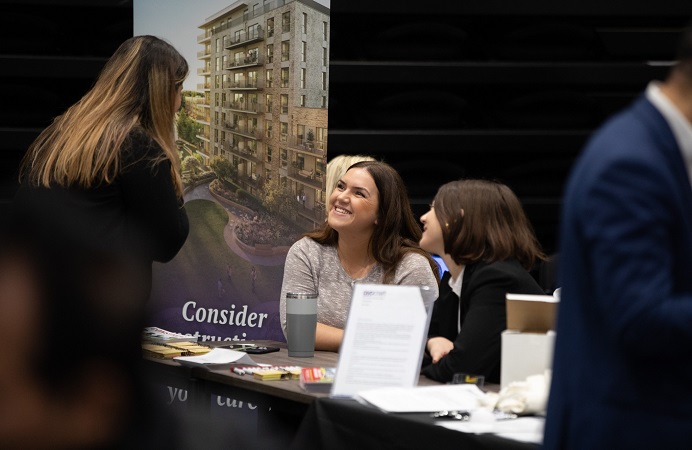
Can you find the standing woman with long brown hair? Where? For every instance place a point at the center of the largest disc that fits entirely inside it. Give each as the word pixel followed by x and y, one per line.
pixel 101 185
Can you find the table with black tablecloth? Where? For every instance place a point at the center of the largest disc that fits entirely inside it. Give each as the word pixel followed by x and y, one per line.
pixel 288 415
pixel 265 413
pixel 332 424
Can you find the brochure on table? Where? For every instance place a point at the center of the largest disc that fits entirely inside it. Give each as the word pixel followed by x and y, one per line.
pixel 218 358
pixel 384 339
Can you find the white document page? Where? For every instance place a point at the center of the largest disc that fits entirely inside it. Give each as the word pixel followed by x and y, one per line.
pixel 216 359
pixel 465 397
pixel 383 341
pixel 523 429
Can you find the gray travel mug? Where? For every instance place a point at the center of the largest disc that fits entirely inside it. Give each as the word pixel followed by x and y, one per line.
pixel 301 322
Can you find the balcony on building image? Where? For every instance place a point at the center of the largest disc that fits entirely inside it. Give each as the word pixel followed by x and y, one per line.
pixel 256 180
pixel 247 131
pixel 308 177
pixel 244 106
pixel 315 212
pixel 243 38
pixel 206 36
pixel 246 153
pixel 247 61
pixel 245 84
pixel 303 145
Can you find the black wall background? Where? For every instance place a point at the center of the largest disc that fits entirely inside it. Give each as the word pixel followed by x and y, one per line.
pixel 50 54
pixel 441 90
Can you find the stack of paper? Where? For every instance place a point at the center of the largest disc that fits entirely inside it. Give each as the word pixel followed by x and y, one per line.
pixel 446 397
pixel 218 358
pixel 156 334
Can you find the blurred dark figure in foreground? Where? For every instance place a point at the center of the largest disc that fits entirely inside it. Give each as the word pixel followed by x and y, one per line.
pixel 72 372
pixel 71 355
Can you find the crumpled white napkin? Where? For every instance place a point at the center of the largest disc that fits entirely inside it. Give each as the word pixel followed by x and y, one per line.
pixel 523 397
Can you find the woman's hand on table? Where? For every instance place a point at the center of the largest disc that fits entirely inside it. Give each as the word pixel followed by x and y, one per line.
pixel 439 347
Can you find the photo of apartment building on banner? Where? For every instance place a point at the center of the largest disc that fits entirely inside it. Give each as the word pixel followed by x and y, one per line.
pixel 252 135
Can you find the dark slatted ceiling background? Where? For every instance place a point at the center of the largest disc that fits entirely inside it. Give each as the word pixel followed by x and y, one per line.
pixel 493 89
pixel 50 53
pixel 441 90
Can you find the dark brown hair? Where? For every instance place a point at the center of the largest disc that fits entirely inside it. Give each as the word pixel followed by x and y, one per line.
pixel 135 89
pixel 493 226
pixel 397 232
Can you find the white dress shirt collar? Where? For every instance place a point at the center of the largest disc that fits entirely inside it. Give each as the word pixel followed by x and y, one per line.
pixel 455 284
pixel 681 127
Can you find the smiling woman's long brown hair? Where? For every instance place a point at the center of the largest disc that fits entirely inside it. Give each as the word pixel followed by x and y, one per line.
pixel 397 232
pixel 135 89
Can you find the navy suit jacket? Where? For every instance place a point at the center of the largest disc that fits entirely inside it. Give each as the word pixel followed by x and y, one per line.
pixel 622 372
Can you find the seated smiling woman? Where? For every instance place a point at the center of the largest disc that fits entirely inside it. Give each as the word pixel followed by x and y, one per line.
pixel 370 236
pixel 480 231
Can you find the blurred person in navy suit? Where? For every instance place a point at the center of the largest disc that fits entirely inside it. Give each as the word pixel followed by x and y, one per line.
pixel 622 372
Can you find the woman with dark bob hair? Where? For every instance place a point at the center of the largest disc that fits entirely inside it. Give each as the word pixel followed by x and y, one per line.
pixel 481 232
pixel 370 236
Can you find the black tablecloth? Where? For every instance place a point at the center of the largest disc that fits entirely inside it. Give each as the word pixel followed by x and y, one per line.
pixel 346 424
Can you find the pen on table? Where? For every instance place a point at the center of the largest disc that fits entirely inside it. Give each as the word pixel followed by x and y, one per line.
pixel 451 414
pixel 238 371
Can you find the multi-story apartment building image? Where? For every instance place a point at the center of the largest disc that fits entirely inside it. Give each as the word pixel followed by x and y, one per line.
pixel 265 66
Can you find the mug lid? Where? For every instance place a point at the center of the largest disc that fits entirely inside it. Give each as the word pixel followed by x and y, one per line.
pixel 304 295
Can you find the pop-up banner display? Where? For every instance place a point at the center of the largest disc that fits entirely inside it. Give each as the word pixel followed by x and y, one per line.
pixel 252 136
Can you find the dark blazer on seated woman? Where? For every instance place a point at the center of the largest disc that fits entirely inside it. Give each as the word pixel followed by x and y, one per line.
pixel 475 321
